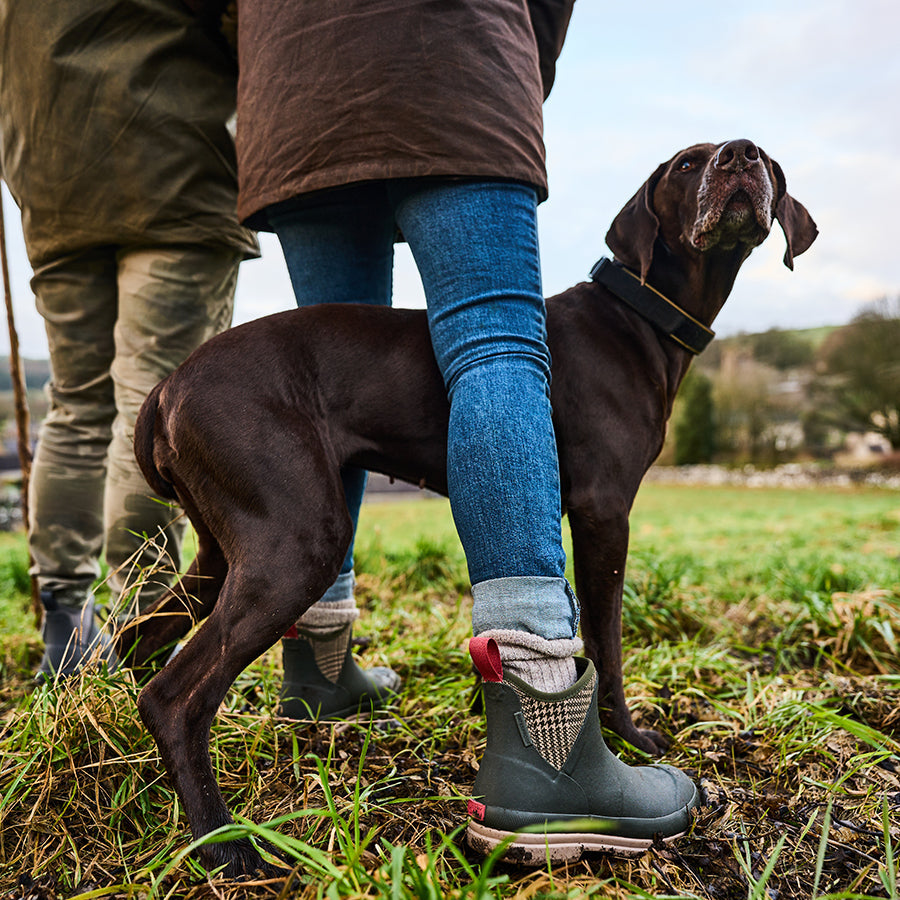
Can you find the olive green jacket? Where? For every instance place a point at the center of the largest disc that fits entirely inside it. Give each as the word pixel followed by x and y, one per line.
pixel 113 126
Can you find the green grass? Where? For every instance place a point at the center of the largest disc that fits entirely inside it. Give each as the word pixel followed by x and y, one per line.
pixel 760 632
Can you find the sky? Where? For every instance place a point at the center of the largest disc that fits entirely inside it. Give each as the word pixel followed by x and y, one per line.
pixel 815 83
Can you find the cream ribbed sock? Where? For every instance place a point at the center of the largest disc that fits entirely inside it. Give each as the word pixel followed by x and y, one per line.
pixel 324 616
pixel 546 665
pixel 326 629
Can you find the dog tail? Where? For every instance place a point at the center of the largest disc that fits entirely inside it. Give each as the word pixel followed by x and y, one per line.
pixel 144 443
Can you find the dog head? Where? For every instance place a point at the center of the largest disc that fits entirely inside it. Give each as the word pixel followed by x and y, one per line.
pixel 709 198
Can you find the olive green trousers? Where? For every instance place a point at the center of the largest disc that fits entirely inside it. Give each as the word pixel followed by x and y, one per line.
pixel 118 320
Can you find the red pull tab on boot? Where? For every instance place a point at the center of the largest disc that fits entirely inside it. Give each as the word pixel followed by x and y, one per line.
pixel 486 656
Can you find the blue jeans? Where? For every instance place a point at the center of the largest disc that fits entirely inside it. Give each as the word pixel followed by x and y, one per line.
pixel 475 245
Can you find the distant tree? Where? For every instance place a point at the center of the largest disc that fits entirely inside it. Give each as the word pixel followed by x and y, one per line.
pixel 782 349
pixel 695 428
pixel 746 412
pixel 860 367
pixel 819 438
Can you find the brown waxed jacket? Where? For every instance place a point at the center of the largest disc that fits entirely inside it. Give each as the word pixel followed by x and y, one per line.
pixel 343 91
pixel 113 126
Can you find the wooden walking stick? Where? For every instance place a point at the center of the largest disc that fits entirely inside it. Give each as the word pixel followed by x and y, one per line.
pixel 23 419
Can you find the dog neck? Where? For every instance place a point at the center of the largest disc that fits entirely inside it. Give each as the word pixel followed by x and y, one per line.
pixel 698 282
pixel 663 313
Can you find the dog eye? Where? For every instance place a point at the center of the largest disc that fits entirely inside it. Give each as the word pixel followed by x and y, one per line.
pixel 686 165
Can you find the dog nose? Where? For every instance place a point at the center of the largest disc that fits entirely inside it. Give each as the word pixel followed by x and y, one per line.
pixel 737 155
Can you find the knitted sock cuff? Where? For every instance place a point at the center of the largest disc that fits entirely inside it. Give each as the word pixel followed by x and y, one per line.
pixel 521 645
pixel 547 665
pixel 328 615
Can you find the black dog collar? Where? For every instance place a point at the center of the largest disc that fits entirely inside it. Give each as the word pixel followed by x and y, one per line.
pixel 669 318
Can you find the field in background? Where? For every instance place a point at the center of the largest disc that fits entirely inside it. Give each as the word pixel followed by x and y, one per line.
pixel 761 631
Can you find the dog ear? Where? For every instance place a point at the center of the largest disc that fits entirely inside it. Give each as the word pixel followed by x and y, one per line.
pixel 633 231
pixel 797 224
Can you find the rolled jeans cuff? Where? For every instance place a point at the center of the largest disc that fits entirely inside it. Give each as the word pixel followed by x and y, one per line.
pixel 342 589
pixel 537 604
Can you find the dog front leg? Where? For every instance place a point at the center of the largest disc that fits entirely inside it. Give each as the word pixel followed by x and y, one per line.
pixel 600 549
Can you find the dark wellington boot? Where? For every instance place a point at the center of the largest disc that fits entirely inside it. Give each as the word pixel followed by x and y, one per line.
pixel 323 681
pixel 71 638
pixel 547 767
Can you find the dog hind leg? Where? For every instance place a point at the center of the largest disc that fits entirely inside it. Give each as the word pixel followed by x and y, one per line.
pixel 275 572
pixel 181 701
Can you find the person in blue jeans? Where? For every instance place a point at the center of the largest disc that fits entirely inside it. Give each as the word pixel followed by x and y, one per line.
pixel 475 245
pixel 362 124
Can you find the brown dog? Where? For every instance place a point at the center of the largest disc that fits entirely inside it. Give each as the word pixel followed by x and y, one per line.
pixel 250 433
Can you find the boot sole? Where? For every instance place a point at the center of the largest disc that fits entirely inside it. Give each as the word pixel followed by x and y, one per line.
pixel 361 710
pixel 538 849
pixel 365 704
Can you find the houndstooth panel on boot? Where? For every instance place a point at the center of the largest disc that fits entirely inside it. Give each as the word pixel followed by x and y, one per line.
pixel 554 725
pixel 328 628
pixel 329 649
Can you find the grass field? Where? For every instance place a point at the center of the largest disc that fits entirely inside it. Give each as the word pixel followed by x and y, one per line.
pixel 761 632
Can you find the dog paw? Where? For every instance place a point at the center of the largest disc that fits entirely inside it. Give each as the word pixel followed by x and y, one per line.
pixel 239 860
pixel 648 740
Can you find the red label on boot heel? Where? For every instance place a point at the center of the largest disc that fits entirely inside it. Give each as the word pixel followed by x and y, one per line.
pixel 486 655
pixel 476 810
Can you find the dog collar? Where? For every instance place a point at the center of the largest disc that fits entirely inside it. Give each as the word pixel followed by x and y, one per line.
pixel 648 302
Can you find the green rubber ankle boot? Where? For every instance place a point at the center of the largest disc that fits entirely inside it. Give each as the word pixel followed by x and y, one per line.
pixel 323 681
pixel 548 769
